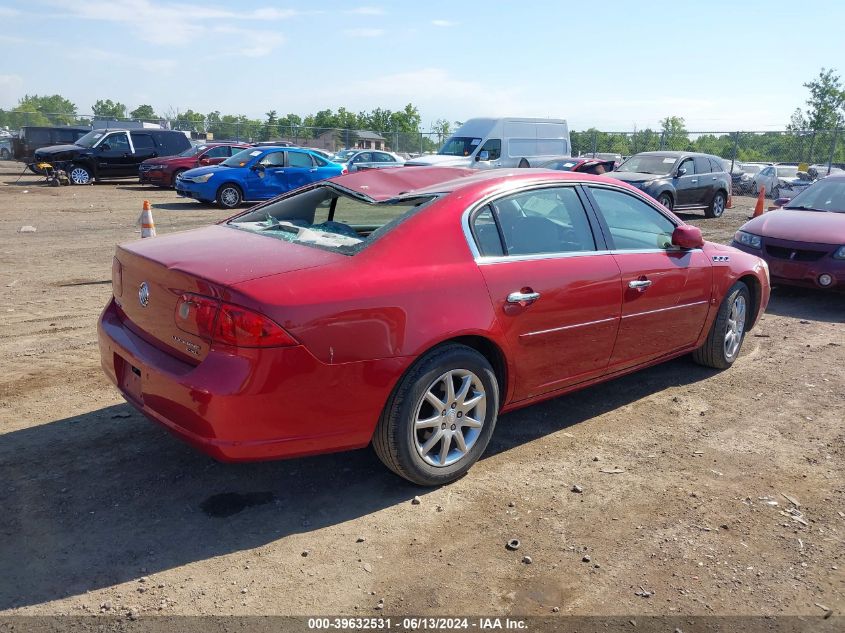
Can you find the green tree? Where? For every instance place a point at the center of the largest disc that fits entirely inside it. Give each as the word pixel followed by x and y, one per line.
pixel 46 110
pixel 109 109
pixel 442 129
pixel 144 113
pixel 826 104
pixel 675 135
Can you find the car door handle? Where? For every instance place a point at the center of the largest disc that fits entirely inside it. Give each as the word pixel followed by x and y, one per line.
pixel 315 169
pixel 521 297
pixel 639 284
pixel 694 180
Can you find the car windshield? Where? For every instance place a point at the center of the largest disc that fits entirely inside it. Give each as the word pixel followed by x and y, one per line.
pixel 241 158
pixel 90 139
pixel 326 218
pixel 658 165
pixel 193 150
pixel 787 172
pixel 460 146
pixel 824 195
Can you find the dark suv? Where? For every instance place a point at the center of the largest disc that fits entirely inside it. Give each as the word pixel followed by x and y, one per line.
pixel 33 137
pixel 679 180
pixel 104 154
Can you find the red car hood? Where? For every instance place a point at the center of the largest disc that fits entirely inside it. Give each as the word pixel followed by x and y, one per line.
pixel 822 227
pixel 227 256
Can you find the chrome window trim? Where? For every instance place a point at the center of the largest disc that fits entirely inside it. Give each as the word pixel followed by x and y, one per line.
pixel 473 247
pixel 496 259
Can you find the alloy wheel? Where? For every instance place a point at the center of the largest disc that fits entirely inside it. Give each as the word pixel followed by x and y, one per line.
pixel 449 417
pixel 230 197
pixel 735 327
pixel 79 176
pixel 718 205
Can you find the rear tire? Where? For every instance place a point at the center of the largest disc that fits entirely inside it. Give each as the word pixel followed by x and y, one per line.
pixel 727 333
pixel 4 154
pixel 229 196
pixel 717 206
pixel 429 434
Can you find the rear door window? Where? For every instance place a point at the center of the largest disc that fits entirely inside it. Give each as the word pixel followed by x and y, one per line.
pixel 300 159
pixel 702 165
pixel 548 220
pixel 142 141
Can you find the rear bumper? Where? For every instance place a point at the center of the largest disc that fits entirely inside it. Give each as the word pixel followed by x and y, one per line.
pixel 249 404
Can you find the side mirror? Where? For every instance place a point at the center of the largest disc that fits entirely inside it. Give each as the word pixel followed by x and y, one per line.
pixel 483 155
pixel 780 202
pixel 205 161
pixel 687 236
pixel 681 172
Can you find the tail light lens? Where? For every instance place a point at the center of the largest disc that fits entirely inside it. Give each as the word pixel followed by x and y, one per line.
pixel 344 171
pixel 116 277
pixel 221 322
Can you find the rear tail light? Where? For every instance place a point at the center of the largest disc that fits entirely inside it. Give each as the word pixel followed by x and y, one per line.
pixel 116 277
pixel 221 322
pixel 344 171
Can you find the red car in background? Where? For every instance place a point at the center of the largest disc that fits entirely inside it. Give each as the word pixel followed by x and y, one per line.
pixel 583 164
pixel 162 172
pixel 803 242
pixel 408 308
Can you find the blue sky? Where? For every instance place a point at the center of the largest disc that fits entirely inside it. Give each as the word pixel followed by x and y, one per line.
pixel 612 64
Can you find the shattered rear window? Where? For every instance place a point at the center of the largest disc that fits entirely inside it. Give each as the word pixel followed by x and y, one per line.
pixel 328 218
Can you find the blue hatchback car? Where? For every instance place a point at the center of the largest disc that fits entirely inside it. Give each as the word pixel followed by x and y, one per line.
pixel 254 174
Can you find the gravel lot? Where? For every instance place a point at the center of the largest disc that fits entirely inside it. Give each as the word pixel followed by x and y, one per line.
pixel 731 499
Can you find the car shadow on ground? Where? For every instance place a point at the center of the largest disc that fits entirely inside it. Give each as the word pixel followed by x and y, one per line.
pixel 182 205
pixel 106 497
pixel 807 303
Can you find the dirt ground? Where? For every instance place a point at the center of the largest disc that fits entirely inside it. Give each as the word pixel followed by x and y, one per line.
pixel 732 499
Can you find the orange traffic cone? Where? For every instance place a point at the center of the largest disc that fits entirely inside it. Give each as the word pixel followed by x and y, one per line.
pixel 761 201
pixel 148 226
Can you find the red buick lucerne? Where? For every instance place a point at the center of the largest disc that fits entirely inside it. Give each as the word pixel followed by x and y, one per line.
pixel 409 308
pixel 804 242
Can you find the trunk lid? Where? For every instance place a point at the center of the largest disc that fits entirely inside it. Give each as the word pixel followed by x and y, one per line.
pixel 208 261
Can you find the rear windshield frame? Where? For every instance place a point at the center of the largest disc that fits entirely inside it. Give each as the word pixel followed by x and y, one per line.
pixel 376 234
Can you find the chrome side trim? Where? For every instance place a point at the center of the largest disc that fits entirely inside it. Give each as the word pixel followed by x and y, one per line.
pixel 567 327
pixel 647 312
pixel 504 259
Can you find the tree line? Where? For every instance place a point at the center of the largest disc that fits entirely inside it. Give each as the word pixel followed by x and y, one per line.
pixel 810 131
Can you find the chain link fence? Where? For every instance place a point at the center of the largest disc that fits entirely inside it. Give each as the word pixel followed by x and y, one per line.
pixel 811 147
pixel 824 148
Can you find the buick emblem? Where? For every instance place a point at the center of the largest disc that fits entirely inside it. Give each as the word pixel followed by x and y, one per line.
pixel 144 294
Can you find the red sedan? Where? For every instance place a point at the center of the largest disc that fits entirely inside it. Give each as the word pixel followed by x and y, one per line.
pixel 408 308
pixel 804 242
pixel 162 172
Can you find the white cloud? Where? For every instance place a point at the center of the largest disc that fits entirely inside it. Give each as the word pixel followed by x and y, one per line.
pixel 366 11
pixel 174 24
pixel 444 23
pixel 364 32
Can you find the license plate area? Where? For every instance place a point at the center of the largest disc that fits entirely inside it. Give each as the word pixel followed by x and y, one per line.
pixel 129 378
pixel 787 270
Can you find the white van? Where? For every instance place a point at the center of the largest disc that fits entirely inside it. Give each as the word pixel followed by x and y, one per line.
pixel 511 142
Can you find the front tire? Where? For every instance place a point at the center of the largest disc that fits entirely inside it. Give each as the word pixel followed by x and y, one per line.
pixel 4 154
pixel 666 200
pixel 717 206
pixel 80 175
pixel 229 196
pixel 523 164
pixel 727 333
pixel 440 417
pixel 174 176
pixel 775 192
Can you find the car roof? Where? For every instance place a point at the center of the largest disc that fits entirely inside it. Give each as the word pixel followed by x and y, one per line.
pixel 385 184
pixel 676 154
